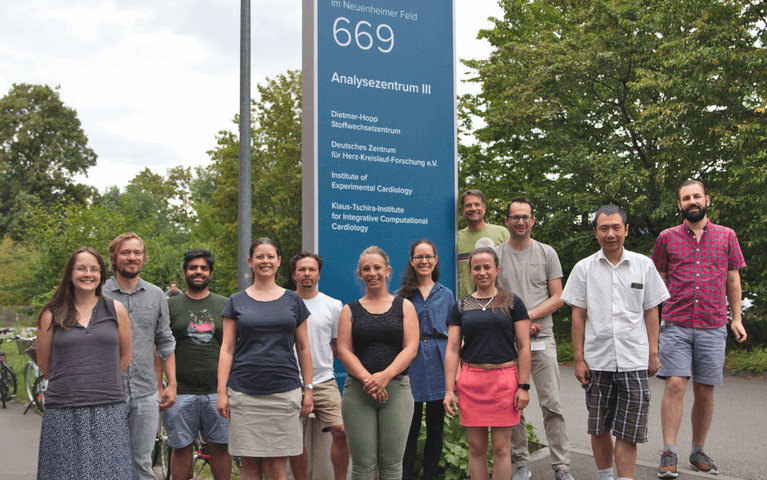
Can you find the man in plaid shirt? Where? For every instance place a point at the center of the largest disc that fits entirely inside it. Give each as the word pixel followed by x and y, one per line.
pixel 700 262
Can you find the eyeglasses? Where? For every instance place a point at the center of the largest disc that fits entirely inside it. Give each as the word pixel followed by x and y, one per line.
pixel 516 218
pixel 424 257
pixel 83 269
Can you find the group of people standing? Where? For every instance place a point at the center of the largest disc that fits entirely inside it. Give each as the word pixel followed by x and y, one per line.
pixel 246 371
pixel 620 335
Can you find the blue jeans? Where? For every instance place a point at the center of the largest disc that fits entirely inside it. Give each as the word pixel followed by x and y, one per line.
pixel 377 432
pixel 143 420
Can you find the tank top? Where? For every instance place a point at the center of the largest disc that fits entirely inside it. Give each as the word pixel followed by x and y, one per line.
pixel 85 362
pixel 377 337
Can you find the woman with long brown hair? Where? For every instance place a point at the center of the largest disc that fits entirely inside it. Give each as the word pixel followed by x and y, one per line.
pixel 432 302
pixel 83 347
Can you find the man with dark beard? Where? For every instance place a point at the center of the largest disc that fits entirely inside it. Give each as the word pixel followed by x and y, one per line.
pixel 700 262
pixel 196 323
pixel 150 332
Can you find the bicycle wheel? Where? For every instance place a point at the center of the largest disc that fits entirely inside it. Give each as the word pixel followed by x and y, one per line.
pixel 38 393
pixel 236 465
pixel 161 452
pixel 3 385
pixel 9 385
pixel 31 372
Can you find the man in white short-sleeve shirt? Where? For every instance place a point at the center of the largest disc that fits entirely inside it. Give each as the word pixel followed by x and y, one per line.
pixel 615 295
pixel 322 325
pixel 531 270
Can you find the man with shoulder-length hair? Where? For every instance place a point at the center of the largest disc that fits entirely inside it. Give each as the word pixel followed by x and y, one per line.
pixel 615 295
pixel 700 262
pixel 147 308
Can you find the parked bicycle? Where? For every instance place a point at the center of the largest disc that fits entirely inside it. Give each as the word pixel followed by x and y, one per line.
pixel 7 377
pixel 161 452
pixel 202 455
pixel 35 382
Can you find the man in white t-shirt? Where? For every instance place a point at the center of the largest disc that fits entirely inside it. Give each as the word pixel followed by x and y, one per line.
pixel 531 271
pixel 305 269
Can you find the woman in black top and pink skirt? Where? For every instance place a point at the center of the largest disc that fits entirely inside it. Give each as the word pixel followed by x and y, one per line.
pixel 493 384
pixel 83 347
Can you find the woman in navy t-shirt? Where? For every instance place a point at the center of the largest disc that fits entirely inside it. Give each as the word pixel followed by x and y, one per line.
pixel 259 388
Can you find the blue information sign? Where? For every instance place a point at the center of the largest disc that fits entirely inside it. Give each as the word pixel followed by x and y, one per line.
pixel 384 131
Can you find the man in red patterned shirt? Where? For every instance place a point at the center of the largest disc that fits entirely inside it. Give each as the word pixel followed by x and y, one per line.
pixel 700 262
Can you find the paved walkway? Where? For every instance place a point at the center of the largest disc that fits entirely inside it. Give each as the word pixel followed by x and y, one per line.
pixel 736 441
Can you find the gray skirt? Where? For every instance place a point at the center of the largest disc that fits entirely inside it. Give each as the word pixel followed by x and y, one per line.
pixel 265 425
pixel 85 443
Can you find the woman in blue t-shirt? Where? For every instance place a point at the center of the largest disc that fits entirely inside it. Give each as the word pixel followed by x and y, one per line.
pixel 493 385
pixel 259 388
pixel 83 347
pixel 377 340
pixel 432 302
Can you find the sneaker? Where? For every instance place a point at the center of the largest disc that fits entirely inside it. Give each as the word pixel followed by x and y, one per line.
pixel 667 468
pixel 563 474
pixel 700 462
pixel 521 472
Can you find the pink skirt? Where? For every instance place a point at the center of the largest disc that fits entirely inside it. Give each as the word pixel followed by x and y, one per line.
pixel 486 397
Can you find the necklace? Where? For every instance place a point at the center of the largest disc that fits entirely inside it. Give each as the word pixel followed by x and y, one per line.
pixel 484 307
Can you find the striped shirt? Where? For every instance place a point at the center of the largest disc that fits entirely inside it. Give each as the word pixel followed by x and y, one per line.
pixel 697 273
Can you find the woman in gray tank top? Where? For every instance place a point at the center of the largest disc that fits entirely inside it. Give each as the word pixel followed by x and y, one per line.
pixel 83 347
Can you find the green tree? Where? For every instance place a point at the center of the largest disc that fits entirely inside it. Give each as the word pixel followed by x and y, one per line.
pixel 276 176
pixel 154 206
pixel 42 148
pixel 607 101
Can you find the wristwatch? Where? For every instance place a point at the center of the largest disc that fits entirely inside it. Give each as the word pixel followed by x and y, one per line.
pixel 524 386
pixel 311 387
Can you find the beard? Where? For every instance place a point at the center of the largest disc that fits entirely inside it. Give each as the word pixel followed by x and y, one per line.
pixel 694 216
pixel 128 274
pixel 198 286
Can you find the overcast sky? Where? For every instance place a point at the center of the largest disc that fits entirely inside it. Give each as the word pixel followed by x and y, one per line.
pixel 153 82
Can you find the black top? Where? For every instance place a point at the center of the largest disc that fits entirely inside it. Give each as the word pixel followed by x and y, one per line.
pixel 377 337
pixel 488 334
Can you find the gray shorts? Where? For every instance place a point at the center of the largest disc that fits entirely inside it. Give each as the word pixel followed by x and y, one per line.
pixel 692 352
pixel 189 415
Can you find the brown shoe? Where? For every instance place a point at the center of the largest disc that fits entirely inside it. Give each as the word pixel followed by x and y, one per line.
pixel 667 467
pixel 703 463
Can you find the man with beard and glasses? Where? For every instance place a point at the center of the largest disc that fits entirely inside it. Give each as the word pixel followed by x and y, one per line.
pixel 700 262
pixel 150 332
pixel 196 323
pixel 322 325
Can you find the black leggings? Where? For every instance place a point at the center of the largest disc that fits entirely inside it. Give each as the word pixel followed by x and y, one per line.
pixel 432 450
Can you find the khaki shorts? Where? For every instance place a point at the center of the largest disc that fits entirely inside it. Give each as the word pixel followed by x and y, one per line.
pixel 327 404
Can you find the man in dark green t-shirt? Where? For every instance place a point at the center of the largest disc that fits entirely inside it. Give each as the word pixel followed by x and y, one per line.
pixel 195 320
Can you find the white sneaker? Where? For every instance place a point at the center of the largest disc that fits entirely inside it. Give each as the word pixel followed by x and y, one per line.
pixel 521 472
